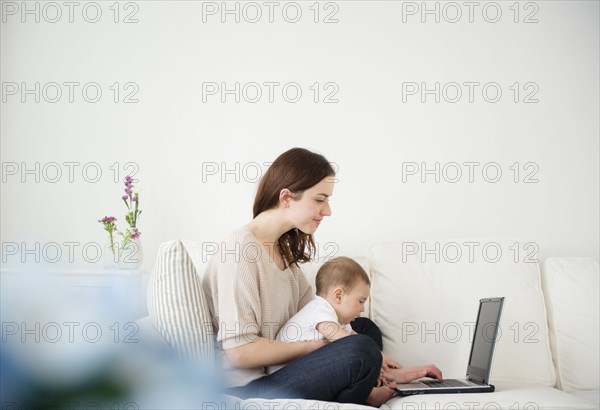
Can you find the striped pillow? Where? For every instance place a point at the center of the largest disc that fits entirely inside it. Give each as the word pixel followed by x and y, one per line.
pixel 177 304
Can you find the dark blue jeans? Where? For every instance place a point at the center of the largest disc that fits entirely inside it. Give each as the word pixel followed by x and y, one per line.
pixel 367 327
pixel 344 371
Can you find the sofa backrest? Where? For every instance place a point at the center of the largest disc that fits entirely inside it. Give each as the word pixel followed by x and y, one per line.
pixel 571 289
pixel 425 296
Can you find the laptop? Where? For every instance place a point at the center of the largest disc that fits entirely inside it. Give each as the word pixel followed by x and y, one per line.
pixel 480 360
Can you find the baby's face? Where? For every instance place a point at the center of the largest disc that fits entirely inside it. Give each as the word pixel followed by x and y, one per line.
pixel 353 303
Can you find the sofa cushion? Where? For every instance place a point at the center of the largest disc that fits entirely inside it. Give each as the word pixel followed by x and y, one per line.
pixel 425 297
pixel 177 304
pixel 508 396
pixel 231 402
pixel 571 287
pixel 200 253
pixel 593 396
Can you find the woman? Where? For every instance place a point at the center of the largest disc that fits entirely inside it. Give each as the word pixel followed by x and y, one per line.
pixel 254 286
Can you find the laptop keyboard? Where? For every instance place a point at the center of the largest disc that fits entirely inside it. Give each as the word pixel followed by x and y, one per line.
pixel 447 383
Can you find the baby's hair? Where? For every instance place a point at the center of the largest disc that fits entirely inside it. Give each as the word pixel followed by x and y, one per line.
pixel 340 271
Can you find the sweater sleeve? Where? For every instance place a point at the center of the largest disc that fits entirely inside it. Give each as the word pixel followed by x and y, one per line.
pixel 239 302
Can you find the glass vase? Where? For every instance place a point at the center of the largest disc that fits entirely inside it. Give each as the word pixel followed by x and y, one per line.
pixel 131 254
pixel 110 257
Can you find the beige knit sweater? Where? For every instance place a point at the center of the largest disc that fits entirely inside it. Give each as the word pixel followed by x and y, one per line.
pixel 249 296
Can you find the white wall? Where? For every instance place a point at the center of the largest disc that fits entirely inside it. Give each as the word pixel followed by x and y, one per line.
pixel 370 55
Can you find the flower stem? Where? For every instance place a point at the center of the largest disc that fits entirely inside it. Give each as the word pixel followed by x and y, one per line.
pixel 135 212
pixel 112 243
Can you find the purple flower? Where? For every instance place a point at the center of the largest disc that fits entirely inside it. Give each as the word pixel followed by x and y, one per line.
pixel 128 184
pixel 134 198
pixel 124 197
pixel 108 219
pixel 135 234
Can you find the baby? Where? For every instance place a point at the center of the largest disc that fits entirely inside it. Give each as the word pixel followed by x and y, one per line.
pixel 342 289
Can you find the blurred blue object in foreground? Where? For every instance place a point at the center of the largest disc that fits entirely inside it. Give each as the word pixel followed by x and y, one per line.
pixel 62 350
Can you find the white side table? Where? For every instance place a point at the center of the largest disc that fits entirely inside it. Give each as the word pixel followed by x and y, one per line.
pixel 125 287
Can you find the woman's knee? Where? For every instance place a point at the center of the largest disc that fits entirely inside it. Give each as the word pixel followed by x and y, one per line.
pixel 363 347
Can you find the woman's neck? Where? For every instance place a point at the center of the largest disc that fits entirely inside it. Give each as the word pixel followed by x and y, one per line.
pixel 268 226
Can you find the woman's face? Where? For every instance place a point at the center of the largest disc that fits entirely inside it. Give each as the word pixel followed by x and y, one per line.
pixel 307 212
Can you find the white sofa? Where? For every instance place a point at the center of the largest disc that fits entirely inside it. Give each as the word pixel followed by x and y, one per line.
pixel 424 298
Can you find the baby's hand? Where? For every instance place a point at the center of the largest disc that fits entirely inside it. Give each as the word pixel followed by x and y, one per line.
pixel 388 364
pixel 328 329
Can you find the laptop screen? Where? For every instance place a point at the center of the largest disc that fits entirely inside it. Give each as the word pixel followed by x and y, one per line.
pixel 486 331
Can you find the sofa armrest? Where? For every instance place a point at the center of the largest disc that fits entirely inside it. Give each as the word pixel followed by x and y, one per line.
pixel 148 334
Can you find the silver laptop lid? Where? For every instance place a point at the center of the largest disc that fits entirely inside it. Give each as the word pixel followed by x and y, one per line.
pixel 484 339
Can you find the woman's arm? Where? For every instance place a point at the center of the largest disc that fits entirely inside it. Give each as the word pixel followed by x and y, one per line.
pixel 264 352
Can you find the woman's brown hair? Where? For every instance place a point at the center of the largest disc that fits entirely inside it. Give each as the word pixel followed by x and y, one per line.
pixel 297 169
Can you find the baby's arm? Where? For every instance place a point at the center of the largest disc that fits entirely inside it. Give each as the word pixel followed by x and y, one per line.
pixel 332 331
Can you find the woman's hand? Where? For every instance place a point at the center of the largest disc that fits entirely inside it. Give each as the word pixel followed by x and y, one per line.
pixel 407 375
pixel 314 345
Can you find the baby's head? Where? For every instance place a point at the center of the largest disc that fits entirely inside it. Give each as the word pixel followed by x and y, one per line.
pixel 345 285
